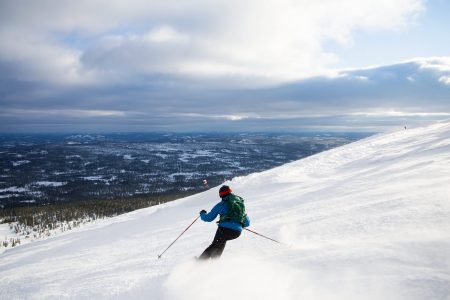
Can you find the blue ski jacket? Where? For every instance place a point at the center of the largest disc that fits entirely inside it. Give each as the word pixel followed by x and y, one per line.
pixel 221 208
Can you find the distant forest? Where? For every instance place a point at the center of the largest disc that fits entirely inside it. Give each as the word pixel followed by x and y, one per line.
pixel 47 169
pixel 36 221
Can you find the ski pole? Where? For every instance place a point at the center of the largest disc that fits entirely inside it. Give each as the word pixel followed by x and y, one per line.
pixel 262 236
pixel 159 256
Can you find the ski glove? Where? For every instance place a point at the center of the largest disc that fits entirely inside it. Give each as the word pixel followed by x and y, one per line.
pixel 203 211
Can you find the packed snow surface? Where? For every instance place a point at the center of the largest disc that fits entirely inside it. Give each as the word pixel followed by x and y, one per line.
pixel 369 220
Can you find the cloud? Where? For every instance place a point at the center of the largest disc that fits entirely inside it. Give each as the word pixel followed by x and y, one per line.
pixel 445 79
pixel 272 40
pixel 384 97
pixel 393 113
pixel 64 113
pixel 166 34
pixel 28 58
pixel 202 65
pixel 440 64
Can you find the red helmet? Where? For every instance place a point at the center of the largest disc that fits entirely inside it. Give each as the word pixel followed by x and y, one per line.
pixel 224 191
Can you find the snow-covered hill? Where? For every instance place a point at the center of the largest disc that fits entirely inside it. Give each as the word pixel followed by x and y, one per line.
pixel 369 220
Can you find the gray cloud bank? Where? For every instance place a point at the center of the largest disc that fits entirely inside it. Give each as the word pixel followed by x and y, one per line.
pixel 368 99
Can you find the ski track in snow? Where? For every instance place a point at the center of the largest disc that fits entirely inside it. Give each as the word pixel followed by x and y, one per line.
pixel 369 220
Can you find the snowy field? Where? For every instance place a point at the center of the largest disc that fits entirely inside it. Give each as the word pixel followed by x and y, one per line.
pixel 369 220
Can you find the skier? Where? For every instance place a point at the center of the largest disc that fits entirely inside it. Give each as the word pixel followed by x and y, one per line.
pixel 232 219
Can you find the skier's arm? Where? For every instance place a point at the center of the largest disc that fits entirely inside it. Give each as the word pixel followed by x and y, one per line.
pixel 215 211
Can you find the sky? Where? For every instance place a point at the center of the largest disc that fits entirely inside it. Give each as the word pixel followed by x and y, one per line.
pixel 197 65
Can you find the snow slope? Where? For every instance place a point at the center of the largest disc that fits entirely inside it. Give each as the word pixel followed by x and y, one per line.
pixel 369 220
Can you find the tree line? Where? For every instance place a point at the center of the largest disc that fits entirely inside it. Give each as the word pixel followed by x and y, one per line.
pixel 36 221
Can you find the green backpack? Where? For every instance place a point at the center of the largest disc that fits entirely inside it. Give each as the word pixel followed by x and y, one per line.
pixel 236 210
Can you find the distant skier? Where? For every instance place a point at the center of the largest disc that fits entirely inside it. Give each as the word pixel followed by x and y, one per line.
pixel 205 184
pixel 232 219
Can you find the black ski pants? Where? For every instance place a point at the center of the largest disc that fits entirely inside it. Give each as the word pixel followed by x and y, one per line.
pixel 220 239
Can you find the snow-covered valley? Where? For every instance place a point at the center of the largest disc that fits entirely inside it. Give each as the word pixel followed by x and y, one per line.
pixel 368 220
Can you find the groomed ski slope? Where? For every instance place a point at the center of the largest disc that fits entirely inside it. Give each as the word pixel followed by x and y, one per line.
pixel 369 220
